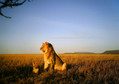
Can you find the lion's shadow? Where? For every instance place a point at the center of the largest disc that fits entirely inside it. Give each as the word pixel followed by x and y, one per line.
pixel 69 66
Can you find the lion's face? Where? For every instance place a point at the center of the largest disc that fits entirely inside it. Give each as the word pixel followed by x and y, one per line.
pixel 35 65
pixel 45 46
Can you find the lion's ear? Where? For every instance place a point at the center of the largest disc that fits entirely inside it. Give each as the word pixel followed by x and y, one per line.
pixel 46 43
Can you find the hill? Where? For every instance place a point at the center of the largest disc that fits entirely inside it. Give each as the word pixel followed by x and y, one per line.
pixel 80 53
pixel 111 52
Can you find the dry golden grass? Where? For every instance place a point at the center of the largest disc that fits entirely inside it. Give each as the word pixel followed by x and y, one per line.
pixel 82 69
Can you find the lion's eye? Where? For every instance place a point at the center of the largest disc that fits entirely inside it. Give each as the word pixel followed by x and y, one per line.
pixel 43 47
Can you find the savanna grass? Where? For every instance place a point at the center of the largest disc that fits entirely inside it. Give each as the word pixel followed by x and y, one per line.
pixel 82 69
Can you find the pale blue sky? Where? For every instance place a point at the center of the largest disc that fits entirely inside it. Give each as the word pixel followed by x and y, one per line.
pixel 70 25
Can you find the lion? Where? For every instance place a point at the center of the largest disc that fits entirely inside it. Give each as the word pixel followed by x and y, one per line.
pixel 35 68
pixel 51 60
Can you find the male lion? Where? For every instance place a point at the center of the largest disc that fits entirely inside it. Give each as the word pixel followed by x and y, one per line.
pixel 51 59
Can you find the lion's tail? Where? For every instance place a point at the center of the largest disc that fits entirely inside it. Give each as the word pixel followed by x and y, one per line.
pixel 64 66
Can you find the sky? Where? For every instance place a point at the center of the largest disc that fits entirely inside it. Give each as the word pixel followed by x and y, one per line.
pixel 69 25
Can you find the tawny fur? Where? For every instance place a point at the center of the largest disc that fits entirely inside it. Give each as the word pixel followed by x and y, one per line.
pixel 35 68
pixel 51 59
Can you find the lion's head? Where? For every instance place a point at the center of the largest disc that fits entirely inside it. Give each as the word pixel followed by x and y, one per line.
pixel 46 47
pixel 35 65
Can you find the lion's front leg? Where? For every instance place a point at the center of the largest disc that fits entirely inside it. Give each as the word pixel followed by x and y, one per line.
pixel 52 64
pixel 46 65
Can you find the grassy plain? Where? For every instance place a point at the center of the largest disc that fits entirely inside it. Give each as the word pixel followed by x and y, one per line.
pixel 82 69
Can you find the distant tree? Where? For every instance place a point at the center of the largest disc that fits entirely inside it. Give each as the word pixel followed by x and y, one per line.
pixel 11 4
